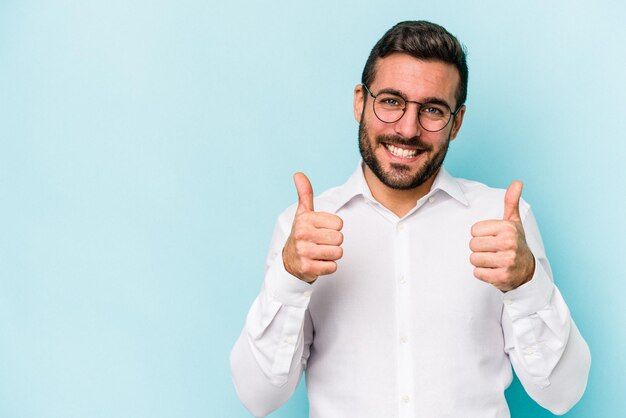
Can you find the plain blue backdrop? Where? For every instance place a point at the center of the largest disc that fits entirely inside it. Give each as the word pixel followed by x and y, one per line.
pixel 146 148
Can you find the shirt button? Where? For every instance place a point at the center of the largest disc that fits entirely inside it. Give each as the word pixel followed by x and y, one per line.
pixel 405 398
pixel 431 199
pixel 307 293
pixel 400 227
pixel 529 350
pixel 508 301
pixel 404 339
pixel 290 340
pixel 402 279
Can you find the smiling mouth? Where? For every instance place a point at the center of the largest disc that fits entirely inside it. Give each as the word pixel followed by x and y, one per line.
pixel 402 152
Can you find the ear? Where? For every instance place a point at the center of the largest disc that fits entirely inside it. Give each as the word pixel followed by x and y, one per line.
pixel 458 121
pixel 359 99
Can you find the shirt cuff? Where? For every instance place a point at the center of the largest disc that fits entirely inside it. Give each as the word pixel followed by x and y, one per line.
pixel 286 288
pixel 530 297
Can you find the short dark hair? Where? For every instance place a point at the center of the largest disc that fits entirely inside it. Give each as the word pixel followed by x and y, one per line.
pixel 422 40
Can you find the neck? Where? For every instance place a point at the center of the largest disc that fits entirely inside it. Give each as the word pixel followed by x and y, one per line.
pixel 399 202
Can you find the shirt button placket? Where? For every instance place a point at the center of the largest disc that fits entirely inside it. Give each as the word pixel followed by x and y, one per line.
pixel 402 279
pixel 403 317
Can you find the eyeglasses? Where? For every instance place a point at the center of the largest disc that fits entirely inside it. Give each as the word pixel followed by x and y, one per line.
pixel 390 107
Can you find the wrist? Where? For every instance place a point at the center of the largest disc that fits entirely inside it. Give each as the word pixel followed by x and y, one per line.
pixel 289 269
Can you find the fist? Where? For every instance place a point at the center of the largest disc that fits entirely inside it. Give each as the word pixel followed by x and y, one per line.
pixel 500 254
pixel 314 245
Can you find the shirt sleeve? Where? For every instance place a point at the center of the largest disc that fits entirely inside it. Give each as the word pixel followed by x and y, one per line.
pixel 268 358
pixel 547 352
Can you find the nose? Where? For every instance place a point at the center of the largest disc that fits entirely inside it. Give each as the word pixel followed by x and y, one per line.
pixel 408 126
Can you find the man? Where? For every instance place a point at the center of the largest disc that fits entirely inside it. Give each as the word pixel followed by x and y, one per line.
pixel 407 292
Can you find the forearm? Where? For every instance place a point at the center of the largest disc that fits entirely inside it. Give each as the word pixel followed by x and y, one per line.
pixel 549 355
pixel 271 352
pixel 567 381
pixel 268 358
pixel 256 392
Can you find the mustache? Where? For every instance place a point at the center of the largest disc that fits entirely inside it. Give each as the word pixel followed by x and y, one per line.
pixel 410 142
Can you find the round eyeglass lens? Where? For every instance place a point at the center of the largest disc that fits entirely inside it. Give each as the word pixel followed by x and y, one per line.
pixel 434 116
pixel 390 108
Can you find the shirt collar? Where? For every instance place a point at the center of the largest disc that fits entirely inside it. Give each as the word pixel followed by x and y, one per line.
pixel 357 186
pixel 450 185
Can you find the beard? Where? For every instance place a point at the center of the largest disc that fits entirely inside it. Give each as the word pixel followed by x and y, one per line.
pixel 399 176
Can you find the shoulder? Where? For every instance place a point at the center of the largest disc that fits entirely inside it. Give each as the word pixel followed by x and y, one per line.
pixel 482 197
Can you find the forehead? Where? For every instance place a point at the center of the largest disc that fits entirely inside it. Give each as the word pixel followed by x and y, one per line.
pixel 417 79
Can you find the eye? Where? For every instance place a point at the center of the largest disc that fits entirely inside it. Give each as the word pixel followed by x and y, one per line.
pixel 390 101
pixel 433 110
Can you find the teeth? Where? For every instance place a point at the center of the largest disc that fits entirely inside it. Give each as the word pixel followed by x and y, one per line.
pixel 401 152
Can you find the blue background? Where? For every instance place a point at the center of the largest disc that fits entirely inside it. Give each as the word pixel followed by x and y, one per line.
pixel 146 148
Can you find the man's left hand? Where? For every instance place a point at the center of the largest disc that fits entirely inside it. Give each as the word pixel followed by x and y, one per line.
pixel 500 254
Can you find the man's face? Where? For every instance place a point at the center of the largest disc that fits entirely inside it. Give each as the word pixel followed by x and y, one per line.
pixel 402 154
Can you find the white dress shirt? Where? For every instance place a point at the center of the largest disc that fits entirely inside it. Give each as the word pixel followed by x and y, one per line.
pixel 403 328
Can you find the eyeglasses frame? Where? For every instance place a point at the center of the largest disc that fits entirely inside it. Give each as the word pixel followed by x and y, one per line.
pixel 419 104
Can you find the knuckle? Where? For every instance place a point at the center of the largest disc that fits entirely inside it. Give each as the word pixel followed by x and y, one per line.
pixel 300 234
pixel 332 267
pixel 300 248
pixel 306 266
pixel 501 277
pixel 509 242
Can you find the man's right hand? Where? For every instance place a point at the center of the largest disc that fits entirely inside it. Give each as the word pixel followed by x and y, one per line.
pixel 314 245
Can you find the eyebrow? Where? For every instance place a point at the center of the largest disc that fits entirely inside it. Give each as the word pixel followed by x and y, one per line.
pixel 436 100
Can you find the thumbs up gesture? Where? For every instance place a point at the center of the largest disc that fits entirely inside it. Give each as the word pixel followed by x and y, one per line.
pixel 500 254
pixel 314 245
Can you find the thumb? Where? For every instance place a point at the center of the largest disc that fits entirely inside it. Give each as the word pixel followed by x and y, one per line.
pixel 511 201
pixel 305 193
